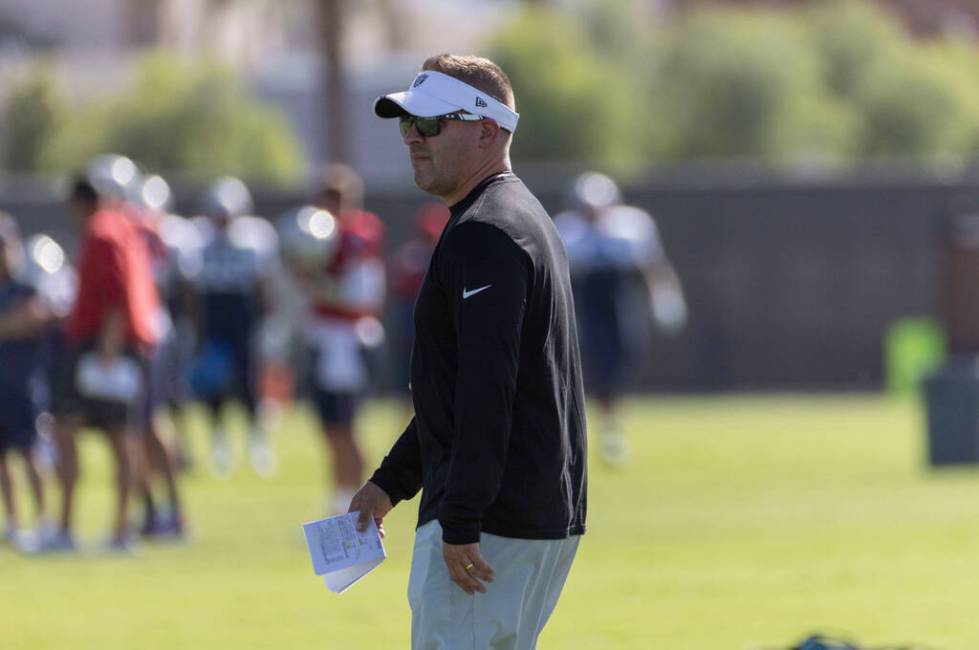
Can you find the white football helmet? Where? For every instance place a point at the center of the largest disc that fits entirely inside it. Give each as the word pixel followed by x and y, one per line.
pixel 46 268
pixel 114 177
pixel 308 239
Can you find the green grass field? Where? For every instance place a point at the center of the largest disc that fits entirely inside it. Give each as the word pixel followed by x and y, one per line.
pixel 741 523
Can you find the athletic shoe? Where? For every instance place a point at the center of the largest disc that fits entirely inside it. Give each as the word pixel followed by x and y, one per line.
pixel 149 526
pixel 27 541
pixel 119 545
pixel 221 456
pixel 173 530
pixel 169 528
pixel 59 541
pixel 262 457
pixel 613 448
pixel 165 525
pixel 13 536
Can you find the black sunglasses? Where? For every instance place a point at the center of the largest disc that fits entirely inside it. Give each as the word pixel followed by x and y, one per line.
pixel 429 127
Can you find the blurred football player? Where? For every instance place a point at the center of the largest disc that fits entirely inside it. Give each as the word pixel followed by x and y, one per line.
pixel 102 371
pixel 24 319
pixel 232 300
pixel 177 246
pixel 621 274
pixel 345 289
pixel 143 199
pixel 409 264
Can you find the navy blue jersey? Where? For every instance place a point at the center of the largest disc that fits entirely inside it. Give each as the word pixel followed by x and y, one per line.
pixel 19 358
pixel 229 288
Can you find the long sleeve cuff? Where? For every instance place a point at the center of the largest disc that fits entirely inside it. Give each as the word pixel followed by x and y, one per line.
pixel 459 529
pixel 387 480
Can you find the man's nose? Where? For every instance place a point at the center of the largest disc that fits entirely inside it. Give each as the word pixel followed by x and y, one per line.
pixel 412 135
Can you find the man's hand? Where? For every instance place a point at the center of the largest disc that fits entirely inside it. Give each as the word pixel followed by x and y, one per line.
pixel 370 501
pixel 467 567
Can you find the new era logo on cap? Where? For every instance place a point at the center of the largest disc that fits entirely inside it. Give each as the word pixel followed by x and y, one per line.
pixel 480 103
pixel 419 80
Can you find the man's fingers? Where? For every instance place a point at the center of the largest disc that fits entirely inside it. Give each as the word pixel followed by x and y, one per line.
pixel 370 502
pixel 466 567
pixel 467 581
pixel 482 569
pixel 362 521
pixel 363 518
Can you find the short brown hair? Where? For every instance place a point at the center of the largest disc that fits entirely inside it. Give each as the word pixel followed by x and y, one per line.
pixel 477 71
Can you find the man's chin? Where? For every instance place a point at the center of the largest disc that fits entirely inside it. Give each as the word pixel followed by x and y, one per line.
pixel 424 181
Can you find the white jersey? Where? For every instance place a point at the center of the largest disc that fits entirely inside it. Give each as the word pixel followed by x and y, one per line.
pixel 237 260
pixel 623 238
pixel 184 245
pixel 346 304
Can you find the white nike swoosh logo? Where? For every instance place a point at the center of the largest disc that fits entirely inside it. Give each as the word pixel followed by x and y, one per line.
pixel 469 294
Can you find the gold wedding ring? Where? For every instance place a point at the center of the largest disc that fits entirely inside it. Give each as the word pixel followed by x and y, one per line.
pixel 469 566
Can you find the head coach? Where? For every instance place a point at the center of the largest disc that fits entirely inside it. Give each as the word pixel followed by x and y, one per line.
pixel 498 442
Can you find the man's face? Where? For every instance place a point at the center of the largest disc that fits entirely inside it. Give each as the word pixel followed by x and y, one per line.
pixel 440 162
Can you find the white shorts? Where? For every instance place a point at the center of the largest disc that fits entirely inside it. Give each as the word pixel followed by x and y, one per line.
pixel 340 364
pixel 509 616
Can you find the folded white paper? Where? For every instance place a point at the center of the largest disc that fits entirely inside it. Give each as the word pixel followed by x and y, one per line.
pixel 341 554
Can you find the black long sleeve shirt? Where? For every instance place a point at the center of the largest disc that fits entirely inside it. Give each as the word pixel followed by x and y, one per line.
pixel 498 440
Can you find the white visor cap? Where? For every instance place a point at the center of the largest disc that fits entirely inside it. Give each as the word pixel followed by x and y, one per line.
pixel 433 93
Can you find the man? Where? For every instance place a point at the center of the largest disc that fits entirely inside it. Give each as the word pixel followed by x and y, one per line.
pixel 409 264
pixel 232 300
pixel 620 269
pixel 498 439
pixel 110 334
pixel 346 298
pixel 175 244
pixel 139 201
pixel 124 189
pixel 24 320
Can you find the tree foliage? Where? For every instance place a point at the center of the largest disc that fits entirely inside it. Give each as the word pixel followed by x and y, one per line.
pixel 36 111
pixel 728 99
pixel 573 107
pixel 177 116
pixel 839 79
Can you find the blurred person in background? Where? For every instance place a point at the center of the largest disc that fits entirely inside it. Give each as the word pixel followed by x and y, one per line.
pixel 409 264
pixel 231 299
pixel 176 246
pixel 346 298
pixel 24 320
pixel 622 277
pixel 141 198
pixel 498 441
pixel 102 372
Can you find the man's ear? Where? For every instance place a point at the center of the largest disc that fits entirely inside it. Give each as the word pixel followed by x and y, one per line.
pixel 489 131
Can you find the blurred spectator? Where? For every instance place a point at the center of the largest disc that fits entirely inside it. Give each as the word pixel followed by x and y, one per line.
pixel 177 246
pixel 24 316
pixel 110 336
pixel 232 300
pixel 142 200
pixel 613 249
pixel 346 297
pixel 408 268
